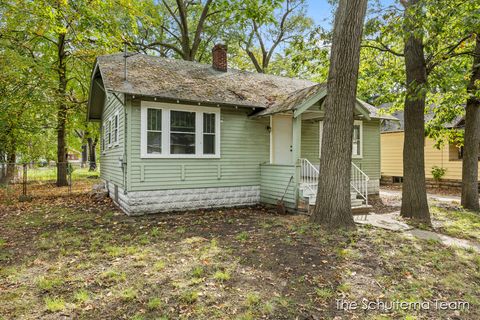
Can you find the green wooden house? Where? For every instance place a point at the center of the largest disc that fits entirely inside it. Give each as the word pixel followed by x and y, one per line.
pixel 179 135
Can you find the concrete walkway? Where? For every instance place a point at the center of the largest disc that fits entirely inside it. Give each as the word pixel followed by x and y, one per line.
pixel 430 196
pixel 388 221
pixel 445 240
pixel 393 221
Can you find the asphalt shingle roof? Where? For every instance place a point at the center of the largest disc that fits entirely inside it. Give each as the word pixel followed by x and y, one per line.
pixel 186 80
pixel 197 82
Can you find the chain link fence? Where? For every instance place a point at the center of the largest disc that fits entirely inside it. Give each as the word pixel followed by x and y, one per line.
pixel 25 181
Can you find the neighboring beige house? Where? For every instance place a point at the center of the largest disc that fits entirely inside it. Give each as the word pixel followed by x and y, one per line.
pixel 449 156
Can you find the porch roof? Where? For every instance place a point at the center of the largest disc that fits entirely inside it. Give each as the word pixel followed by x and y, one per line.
pixel 303 99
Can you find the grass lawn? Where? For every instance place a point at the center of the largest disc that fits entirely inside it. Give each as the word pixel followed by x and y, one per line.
pixel 50 173
pixel 76 256
pixel 457 222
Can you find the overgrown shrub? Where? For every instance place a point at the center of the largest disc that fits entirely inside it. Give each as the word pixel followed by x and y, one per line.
pixel 438 172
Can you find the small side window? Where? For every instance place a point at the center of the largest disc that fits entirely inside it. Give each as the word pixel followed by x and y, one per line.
pixel 115 129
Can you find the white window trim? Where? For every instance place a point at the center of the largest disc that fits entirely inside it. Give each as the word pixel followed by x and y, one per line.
pixel 320 136
pixel 360 123
pixel 103 138
pixel 110 136
pixel 115 141
pixel 354 156
pixel 167 107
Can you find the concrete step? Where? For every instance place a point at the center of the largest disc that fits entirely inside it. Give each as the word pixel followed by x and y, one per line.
pixel 355 202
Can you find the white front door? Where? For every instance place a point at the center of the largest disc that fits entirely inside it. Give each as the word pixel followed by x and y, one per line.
pixel 281 150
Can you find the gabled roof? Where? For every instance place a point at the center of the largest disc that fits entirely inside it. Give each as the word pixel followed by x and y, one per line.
pixel 193 82
pixel 300 100
pixel 293 100
pixel 187 80
pixel 399 124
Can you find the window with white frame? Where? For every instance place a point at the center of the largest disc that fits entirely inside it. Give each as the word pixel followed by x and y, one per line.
pixel 154 131
pixel 182 132
pixel 357 139
pixel 115 129
pixel 103 134
pixel 109 132
pixel 179 131
pixel 209 133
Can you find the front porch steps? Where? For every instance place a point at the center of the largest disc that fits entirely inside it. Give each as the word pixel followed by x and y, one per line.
pixel 309 197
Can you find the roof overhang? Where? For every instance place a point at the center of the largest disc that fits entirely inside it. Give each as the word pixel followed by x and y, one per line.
pixel 96 97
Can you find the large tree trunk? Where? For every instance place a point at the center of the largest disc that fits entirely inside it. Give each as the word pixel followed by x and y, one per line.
pixel 84 156
pixel 92 158
pixel 333 206
pixel 472 137
pixel 414 193
pixel 10 171
pixel 61 114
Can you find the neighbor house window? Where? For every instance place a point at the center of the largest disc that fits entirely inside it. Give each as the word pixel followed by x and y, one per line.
pixel 455 152
pixel 178 131
pixel 357 139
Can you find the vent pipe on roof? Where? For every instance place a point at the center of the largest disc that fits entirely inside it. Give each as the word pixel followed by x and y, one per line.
pixel 219 57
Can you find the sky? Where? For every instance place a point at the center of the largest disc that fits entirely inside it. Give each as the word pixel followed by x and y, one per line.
pixel 321 11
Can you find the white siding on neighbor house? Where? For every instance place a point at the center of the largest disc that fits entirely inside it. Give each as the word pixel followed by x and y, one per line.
pixel 110 168
pixel 244 145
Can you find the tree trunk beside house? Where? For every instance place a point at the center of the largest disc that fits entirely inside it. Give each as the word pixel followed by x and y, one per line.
pixel 61 113
pixel 333 204
pixel 472 137
pixel 414 193
pixel 10 171
pixel 84 156
pixel 92 157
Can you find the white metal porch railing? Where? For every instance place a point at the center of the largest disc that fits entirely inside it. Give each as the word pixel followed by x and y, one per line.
pixel 309 178
pixel 359 182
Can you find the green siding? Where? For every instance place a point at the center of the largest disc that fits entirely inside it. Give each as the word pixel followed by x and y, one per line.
pixel 274 181
pixel 109 158
pixel 310 143
pixel 244 146
pixel 370 163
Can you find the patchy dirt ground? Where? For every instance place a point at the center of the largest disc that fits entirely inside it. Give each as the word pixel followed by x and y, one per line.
pixel 76 256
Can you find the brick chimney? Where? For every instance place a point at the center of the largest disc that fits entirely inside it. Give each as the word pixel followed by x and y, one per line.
pixel 219 57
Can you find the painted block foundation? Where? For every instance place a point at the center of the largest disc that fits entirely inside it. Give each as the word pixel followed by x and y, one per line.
pixel 146 202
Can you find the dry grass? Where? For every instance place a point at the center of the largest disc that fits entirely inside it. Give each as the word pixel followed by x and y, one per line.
pixel 79 257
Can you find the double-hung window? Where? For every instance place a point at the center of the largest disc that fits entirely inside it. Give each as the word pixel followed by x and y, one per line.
pixel 154 131
pixel 357 139
pixel 182 132
pixel 115 129
pixel 209 133
pixel 104 137
pixel 108 134
pixel 179 131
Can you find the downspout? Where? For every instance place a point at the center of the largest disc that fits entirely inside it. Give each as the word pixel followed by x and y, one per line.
pixel 125 131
